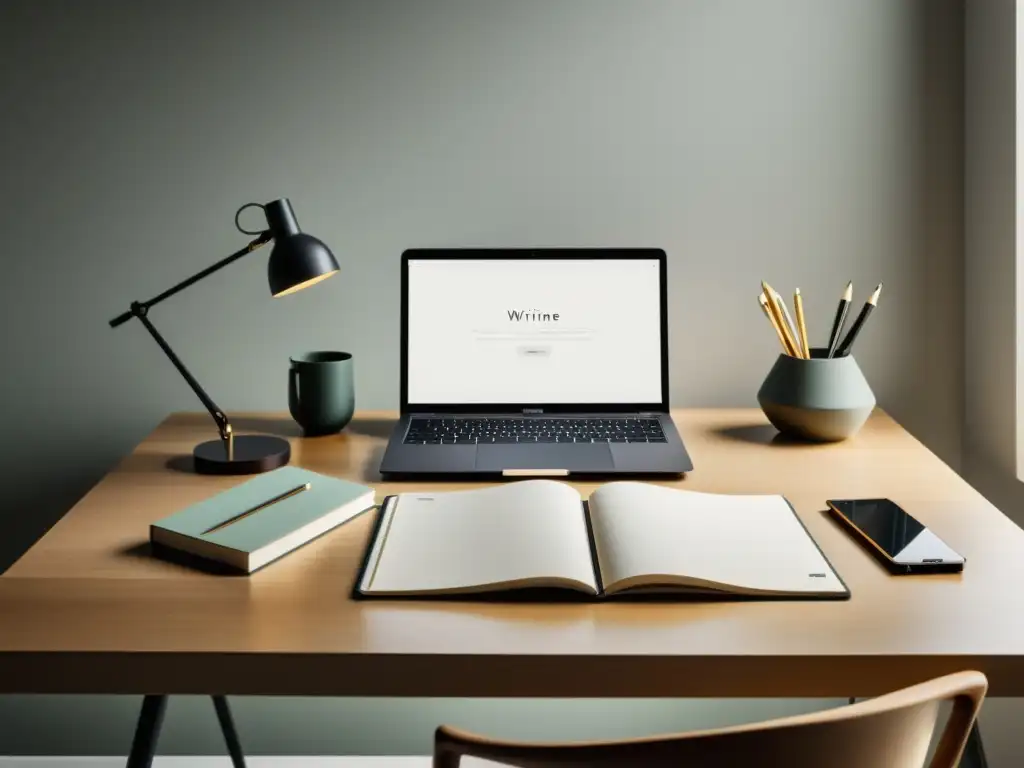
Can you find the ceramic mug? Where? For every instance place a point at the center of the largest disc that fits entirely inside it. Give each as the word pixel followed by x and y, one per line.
pixel 321 395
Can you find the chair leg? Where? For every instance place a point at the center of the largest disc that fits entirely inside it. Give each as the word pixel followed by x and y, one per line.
pixel 147 731
pixel 227 727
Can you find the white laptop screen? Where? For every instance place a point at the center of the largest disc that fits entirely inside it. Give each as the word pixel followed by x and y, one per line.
pixel 546 331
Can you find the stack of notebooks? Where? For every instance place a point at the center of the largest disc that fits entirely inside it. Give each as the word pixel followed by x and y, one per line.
pixel 628 538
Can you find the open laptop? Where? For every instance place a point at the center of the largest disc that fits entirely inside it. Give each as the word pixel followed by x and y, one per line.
pixel 540 362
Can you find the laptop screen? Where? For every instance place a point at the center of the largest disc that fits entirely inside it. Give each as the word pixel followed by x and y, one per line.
pixel 534 330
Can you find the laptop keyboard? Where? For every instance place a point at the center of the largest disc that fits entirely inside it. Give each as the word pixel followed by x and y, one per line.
pixel 533 430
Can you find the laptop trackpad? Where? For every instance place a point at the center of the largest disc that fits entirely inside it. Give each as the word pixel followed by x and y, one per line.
pixel 579 457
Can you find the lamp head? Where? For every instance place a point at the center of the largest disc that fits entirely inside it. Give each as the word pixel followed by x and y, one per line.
pixel 297 260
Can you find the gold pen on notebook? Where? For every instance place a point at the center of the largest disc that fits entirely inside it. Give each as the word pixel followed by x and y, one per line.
pixel 258 507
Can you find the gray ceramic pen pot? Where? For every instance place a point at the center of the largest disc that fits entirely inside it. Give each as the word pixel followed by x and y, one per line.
pixel 823 399
pixel 321 396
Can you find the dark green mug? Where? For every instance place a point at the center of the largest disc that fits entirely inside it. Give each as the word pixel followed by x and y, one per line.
pixel 321 396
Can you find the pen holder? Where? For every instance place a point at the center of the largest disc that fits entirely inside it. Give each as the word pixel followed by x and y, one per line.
pixel 822 399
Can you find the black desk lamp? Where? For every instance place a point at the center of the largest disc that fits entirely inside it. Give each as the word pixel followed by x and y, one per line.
pixel 296 262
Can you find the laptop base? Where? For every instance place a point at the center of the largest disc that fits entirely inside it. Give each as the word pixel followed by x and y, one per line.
pixel 521 460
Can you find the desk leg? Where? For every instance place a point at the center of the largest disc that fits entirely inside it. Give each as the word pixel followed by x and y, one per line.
pixel 227 727
pixel 147 731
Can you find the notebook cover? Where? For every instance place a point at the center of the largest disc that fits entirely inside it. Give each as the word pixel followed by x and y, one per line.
pixel 568 595
pixel 378 520
pixel 842 596
pixel 268 525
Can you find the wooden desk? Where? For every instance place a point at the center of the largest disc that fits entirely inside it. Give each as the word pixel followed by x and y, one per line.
pixel 87 610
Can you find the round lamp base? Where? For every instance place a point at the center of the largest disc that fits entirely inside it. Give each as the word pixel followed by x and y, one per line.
pixel 252 454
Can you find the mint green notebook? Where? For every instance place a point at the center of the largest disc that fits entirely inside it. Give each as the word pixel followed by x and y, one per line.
pixel 270 531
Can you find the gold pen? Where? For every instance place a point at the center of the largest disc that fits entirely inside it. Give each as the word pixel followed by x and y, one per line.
pixel 801 323
pixel 258 507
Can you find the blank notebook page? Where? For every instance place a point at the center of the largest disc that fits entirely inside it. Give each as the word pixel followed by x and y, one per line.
pixel 495 535
pixel 753 542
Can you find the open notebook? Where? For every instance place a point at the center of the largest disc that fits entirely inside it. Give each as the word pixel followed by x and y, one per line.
pixel 631 537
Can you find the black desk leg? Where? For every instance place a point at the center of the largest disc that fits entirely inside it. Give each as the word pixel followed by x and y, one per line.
pixel 227 727
pixel 147 731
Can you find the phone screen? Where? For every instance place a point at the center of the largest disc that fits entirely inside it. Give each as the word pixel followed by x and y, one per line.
pixel 902 538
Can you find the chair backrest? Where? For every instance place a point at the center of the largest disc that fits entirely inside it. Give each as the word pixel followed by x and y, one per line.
pixel 893 730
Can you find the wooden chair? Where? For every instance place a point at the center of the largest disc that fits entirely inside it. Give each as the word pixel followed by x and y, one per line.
pixel 892 731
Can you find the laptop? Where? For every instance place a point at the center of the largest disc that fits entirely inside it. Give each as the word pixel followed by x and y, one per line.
pixel 534 363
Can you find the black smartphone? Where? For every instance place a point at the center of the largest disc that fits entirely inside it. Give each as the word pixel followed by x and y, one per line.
pixel 901 542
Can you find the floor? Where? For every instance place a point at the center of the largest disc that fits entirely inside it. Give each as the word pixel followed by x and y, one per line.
pixel 251 762
pixel 974 757
pixel 221 762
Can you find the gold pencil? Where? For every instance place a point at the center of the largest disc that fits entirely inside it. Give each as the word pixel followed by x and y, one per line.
pixel 767 313
pixel 790 325
pixel 798 307
pixel 773 305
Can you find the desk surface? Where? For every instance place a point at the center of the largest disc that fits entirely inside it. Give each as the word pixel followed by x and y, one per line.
pixel 88 610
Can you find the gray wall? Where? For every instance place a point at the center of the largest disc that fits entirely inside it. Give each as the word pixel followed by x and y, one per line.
pixel 990 278
pixel 990 374
pixel 806 142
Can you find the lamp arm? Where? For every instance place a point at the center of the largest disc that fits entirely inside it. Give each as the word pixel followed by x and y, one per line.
pixel 140 310
pixel 263 239
pixel 223 425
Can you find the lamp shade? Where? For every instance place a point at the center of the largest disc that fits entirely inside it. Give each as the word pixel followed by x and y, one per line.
pixel 297 260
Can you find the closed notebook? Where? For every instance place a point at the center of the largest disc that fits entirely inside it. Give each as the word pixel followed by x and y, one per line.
pixel 631 538
pixel 273 529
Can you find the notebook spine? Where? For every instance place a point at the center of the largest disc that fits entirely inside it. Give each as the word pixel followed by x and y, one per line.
pixel 593 548
pixel 357 593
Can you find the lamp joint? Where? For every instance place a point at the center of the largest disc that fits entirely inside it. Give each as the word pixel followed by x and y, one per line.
pixel 264 237
pixel 227 435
